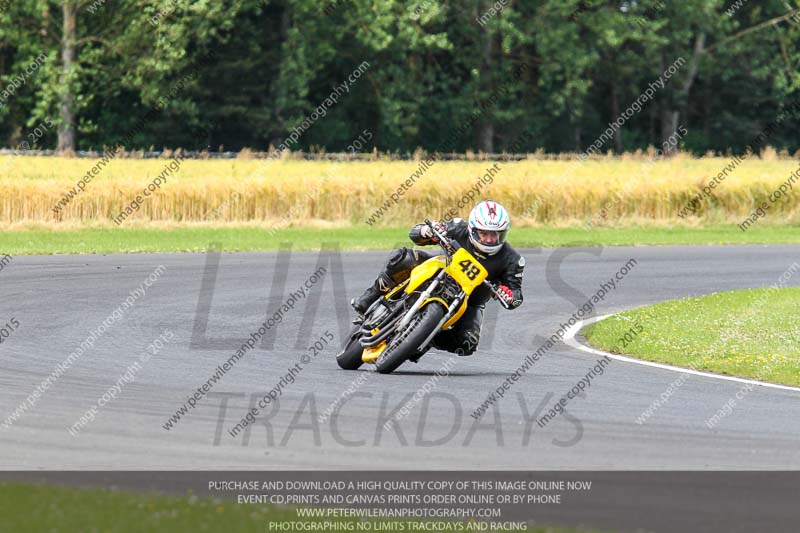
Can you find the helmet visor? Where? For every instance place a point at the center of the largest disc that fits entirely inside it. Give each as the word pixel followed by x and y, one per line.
pixel 489 237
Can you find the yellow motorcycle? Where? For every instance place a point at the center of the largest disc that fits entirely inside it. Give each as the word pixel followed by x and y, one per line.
pixel 400 326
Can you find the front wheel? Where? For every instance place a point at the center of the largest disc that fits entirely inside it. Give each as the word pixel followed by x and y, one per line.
pixel 350 358
pixel 409 340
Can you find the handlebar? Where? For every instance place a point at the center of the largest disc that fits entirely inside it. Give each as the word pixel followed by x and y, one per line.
pixel 496 293
pixel 441 239
pixel 450 249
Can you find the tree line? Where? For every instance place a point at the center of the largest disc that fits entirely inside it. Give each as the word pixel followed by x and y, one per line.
pixel 573 75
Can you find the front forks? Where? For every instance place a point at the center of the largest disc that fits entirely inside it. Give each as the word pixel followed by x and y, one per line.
pixel 445 318
pixel 422 297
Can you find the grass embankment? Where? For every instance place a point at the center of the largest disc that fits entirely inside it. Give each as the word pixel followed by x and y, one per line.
pixel 197 239
pixel 35 508
pixel 751 333
pixel 606 191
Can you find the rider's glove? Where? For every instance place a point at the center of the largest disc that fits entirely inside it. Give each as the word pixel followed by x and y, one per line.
pixel 506 294
pixel 426 232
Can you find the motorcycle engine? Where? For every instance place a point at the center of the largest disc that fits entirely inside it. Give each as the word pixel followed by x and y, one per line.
pixel 377 313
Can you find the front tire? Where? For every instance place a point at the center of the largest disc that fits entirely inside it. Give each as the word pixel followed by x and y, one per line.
pixel 408 342
pixel 350 358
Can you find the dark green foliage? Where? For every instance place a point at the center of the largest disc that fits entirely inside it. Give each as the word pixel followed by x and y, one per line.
pixel 252 71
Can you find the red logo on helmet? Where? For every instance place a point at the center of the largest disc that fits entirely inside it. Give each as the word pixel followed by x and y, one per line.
pixel 492 207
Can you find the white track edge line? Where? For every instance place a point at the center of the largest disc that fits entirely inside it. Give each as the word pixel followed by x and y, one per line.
pixel 570 340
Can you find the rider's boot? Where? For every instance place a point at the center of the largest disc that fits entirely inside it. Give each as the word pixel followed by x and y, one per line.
pixel 381 286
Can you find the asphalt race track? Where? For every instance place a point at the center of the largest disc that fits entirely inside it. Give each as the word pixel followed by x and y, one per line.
pixel 58 300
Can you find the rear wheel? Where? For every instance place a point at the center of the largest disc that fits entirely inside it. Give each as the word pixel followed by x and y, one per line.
pixel 407 343
pixel 350 357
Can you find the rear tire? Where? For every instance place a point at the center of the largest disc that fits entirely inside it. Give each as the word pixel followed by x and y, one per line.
pixel 406 344
pixel 350 358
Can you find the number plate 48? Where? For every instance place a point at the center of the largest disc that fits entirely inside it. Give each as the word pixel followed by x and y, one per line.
pixel 466 270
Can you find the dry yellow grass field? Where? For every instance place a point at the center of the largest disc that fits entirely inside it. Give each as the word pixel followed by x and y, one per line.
pixel 630 189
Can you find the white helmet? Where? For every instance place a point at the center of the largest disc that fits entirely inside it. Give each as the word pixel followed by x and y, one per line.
pixel 488 226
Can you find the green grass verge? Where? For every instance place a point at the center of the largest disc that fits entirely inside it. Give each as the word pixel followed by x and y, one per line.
pixel 124 240
pixel 752 334
pixel 36 508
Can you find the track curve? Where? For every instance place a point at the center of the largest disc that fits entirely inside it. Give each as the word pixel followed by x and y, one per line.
pixel 58 300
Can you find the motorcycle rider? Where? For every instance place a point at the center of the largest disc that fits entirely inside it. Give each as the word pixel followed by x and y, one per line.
pixel 484 236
